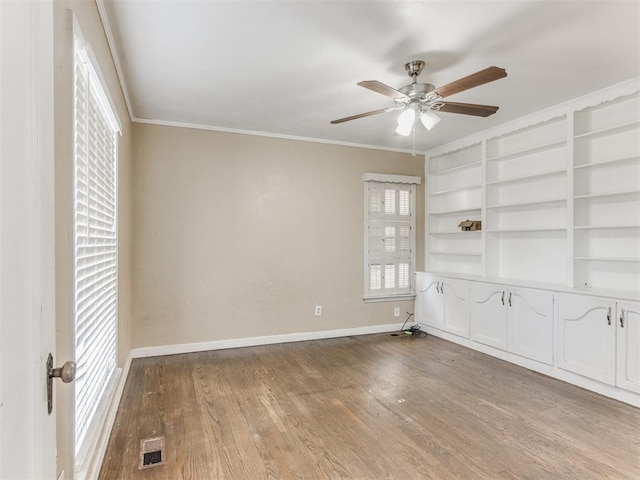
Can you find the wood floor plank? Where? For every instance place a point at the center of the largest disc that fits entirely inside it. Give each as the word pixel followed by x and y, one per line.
pixel 365 408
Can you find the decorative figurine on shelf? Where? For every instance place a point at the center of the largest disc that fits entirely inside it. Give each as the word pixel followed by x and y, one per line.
pixel 470 225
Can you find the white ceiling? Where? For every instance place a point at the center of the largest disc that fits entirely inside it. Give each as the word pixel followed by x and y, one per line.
pixel 289 67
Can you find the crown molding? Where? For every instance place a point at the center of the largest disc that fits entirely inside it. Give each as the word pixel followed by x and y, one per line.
pixel 196 126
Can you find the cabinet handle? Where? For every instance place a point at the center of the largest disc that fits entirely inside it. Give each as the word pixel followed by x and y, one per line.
pixel 438 287
pixel 502 297
pixel 609 316
pixel 622 318
pixel 442 288
pixel 509 298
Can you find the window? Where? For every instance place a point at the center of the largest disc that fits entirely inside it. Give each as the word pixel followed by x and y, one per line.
pixel 95 245
pixel 389 235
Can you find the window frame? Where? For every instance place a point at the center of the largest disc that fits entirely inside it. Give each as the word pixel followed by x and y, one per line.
pixel 399 182
pixel 98 95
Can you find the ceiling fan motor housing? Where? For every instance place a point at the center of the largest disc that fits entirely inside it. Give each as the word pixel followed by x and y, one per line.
pixel 417 90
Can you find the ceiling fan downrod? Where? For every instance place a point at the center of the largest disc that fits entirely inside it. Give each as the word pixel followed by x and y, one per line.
pixel 414 69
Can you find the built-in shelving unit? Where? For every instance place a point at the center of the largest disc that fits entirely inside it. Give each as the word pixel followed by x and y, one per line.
pixel 558 194
pixel 455 194
pixel 606 186
pixel 526 201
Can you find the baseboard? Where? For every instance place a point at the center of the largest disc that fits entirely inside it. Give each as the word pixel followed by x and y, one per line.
pixel 255 341
pixel 93 468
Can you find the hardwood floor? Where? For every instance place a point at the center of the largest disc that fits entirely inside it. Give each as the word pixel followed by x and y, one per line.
pixel 368 407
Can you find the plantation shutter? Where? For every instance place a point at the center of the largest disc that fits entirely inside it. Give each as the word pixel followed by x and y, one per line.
pixel 390 236
pixel 95 243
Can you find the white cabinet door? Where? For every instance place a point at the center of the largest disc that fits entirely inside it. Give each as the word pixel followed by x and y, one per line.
pixel 628 364
pixel 455 309
pixel 428 301
pixel 419 309
pixel 488 314
pixel 531 324
pixel 586 335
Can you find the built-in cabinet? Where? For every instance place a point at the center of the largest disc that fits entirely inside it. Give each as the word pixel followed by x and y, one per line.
pixel 443 303
pixel 517 320
pixel 553 276
pixel 599 338
pixel 592 337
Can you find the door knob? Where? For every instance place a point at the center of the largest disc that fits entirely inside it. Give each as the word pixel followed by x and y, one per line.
pixel 66 373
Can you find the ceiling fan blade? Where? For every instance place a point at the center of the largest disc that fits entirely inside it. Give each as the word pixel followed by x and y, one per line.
pixel 468 109
pixel 361 115
pixel 475 79
pixel 383 89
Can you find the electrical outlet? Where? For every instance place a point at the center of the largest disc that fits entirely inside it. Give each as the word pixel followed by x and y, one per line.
pixel 318 310
pixel 396 312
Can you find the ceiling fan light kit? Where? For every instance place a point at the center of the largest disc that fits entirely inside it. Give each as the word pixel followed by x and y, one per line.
pixel 429 119
pixel 422 99
pixel 405 122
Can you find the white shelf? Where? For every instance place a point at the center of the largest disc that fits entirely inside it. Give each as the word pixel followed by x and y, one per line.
pixel 451 212
pixel 607 194
pixel 528 151
pixel 604 227
pixel 526 178
pixel 527 204
pixel 457 232
pixel 609 259
pixel 454 190
pixel 466 254
pixel 608 130
pixel 525 230
pixel 608 163
pixel 458 168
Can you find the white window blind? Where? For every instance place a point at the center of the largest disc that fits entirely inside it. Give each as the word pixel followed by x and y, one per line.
pixel 95 242
pixel 389 237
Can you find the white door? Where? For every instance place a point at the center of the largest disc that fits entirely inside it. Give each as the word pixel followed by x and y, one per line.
pixel 455 311
pixel 628 365
pixel 531 324
pixel 488 314
pixel 586 334
pixel 27 432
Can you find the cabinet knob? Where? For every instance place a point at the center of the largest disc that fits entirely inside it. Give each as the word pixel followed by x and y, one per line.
pixel 622 318
pixel 609 316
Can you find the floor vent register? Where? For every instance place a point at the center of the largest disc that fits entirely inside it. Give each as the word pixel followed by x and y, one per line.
pixel 151 452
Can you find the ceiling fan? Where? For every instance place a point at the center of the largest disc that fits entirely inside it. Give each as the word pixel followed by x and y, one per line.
pixel 422 99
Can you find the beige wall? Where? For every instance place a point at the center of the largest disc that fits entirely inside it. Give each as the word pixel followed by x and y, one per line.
pixel 241 236
pixel 89 21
